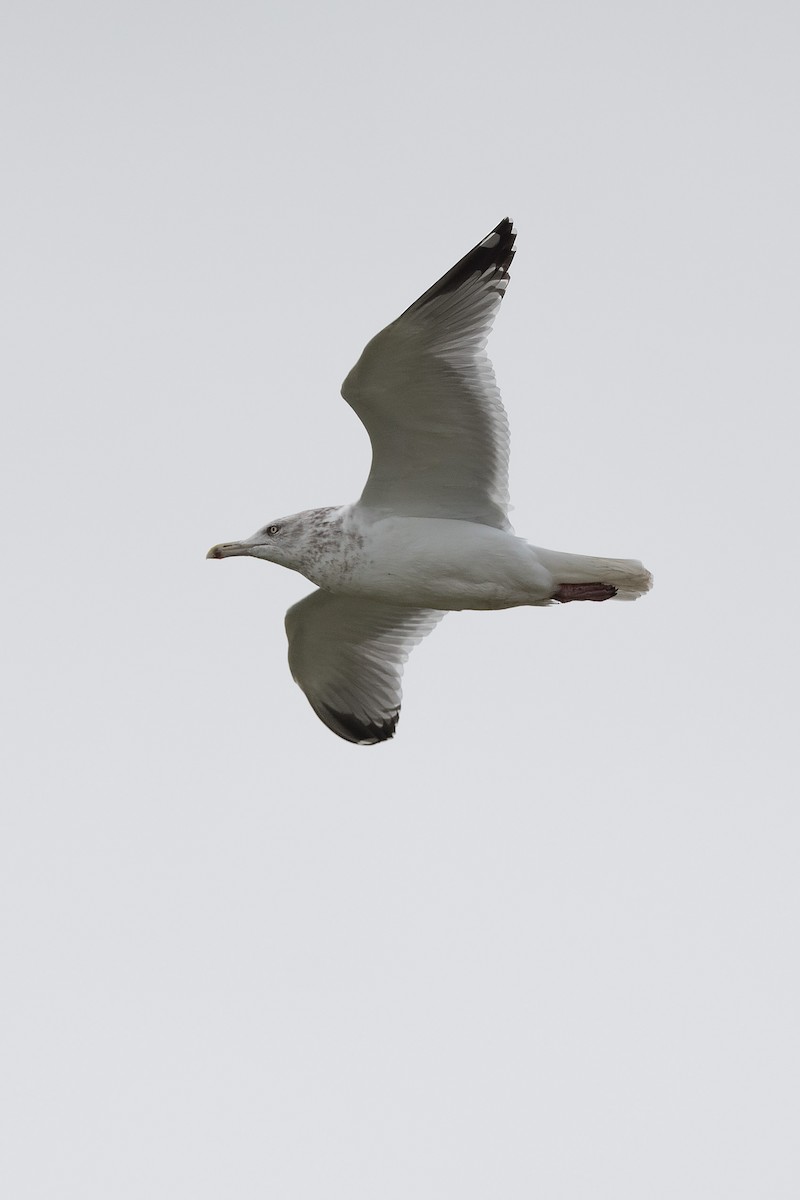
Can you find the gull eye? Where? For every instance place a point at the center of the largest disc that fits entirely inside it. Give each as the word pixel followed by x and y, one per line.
pixel 273 529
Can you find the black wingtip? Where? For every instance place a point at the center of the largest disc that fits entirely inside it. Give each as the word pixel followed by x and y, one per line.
pixel 362 733
pixel 506 230
pixel 492 256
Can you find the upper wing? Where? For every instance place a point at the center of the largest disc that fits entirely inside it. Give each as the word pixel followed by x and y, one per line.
pixel 347 655
pixel 426 392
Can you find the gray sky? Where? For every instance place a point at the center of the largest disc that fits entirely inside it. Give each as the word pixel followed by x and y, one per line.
pixel 545 942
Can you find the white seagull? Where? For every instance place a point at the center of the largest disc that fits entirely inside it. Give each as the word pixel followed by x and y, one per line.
pixel 430 533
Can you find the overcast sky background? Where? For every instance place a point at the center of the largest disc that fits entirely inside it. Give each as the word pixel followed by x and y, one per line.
pixel 544 943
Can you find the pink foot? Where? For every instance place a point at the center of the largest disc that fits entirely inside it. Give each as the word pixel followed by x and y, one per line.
pixel 584 591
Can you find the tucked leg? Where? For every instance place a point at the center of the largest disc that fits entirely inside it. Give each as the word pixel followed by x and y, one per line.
pixel 584 591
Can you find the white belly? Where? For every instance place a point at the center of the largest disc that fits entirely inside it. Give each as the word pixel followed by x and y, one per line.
pixel 444 564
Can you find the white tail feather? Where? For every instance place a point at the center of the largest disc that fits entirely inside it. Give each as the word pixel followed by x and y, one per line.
pixel 627 575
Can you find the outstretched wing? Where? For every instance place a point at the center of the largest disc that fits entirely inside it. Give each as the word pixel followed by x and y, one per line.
pixel 347 655
pixel 426 392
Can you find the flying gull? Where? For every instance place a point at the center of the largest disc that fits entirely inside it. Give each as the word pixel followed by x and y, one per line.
pixel 430 533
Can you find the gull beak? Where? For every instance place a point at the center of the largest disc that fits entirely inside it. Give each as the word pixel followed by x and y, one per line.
pixel 229 549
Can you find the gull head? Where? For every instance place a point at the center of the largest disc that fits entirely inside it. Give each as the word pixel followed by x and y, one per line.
pixel 289 541
pixel 273 543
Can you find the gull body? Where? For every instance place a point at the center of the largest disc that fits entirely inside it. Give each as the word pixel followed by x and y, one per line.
pixel 424 561
pixel 430 533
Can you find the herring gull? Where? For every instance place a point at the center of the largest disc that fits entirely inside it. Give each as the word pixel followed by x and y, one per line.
pixel 430 533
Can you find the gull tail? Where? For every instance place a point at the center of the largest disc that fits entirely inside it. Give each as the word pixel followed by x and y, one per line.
pixel 582 577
